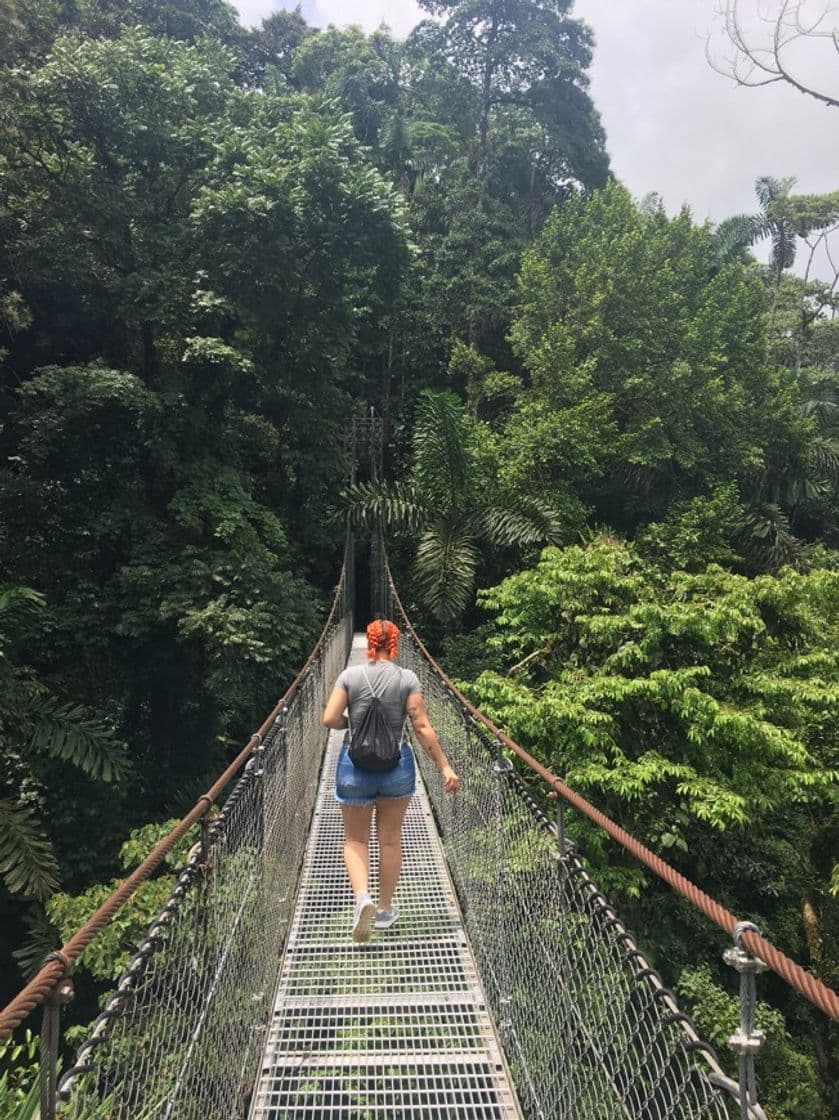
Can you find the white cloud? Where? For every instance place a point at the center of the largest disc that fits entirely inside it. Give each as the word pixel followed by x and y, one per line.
pixel 675 126
pixel 253 12
pixel 399 15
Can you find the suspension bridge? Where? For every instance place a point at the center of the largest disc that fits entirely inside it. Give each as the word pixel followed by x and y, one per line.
pixel 510 988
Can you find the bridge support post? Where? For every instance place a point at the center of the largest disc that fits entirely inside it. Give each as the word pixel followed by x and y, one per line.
pixel 50 1030
pixel 746 1041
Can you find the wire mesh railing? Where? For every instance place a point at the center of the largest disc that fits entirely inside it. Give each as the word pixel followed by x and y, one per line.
pixel 589 1028
pixel 182 1033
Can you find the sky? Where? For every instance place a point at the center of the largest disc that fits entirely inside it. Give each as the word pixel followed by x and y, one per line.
pixel 673 125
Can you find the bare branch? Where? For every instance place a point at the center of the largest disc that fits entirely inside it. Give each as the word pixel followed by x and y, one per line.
pixel 761 60
pixel 545 651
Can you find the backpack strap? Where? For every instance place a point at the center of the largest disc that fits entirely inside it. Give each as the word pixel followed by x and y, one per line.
pixel 373 692
pixel 381 680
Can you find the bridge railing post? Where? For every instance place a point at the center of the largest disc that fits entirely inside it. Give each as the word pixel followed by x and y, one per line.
pixel 48 1057
pixel 564 846
pixel 746 1040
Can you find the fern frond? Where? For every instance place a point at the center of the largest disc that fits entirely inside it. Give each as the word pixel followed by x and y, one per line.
pixel 27 861
pixel 67 732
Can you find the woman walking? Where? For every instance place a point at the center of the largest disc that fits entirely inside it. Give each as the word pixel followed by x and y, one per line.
pixel 360 792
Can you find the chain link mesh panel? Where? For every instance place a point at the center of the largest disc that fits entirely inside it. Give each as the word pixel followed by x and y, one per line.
pixel 589 1030
pixel 181 1035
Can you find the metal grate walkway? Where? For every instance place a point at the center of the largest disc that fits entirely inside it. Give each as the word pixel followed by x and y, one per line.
pixel 397 1027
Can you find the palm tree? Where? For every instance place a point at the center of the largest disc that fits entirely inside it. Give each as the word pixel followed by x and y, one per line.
pixel 441 504
pixel 784 217
pixel 35 724
pixel 741 231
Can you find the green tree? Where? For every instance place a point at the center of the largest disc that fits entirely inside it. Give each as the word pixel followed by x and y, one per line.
pixel 441 504
pixel 38 731
pixel 699 710
pixel 624 313
pixel 531 55
pixel 199 262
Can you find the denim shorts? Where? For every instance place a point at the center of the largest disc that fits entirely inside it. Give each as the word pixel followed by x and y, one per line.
pixel 362 787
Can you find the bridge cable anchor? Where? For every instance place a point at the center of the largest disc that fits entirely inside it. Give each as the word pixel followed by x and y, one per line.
pixel 746 1040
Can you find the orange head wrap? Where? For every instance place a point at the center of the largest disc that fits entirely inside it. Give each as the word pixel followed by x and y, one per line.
pixel 382 635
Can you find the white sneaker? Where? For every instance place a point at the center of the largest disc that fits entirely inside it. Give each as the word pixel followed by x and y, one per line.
pixel 386 918
pixel 362 923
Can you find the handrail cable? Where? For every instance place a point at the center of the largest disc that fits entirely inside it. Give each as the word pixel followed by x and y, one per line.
pixel 59 964
pixel 804 982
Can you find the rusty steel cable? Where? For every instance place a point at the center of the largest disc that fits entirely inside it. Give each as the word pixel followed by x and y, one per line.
pixel 807 985
pixel 588 1026
pixel 180 1035
pixel 59 963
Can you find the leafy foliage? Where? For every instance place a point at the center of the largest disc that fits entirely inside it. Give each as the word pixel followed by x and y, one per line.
pixel 35 727
pixel 788 1085
pixel 214 245
pixel 700 710
pixel 690 683
pixel 19 1079
pixel 111 951
pixel 441 505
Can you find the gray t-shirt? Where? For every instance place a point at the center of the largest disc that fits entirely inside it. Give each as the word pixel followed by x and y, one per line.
pixel 392 684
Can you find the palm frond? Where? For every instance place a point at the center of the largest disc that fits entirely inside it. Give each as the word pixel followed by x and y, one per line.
pixel 820 399
pixel 397 506
pixel 27 861
pixel 767 540
pixel 652 203
pixel 440 466
pixel 530 522
pixel 20 608
pixel 769 189
pixel 737 233
pixel 444 569
pixel 823 410
pixel 783 246
pixel 41 938
pixel 826 459
pixel 67 732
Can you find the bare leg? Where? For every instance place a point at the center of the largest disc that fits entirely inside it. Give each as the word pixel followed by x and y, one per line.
pixel 390 812
pixel 357 820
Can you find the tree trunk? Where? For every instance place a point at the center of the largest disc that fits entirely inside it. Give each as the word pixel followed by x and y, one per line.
pixel 486 102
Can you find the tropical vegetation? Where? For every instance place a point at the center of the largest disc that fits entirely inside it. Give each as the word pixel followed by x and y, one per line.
pixel 611 484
